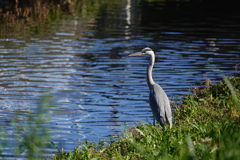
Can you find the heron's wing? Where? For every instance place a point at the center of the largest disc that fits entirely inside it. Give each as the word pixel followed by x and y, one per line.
pixel 157 98
pixel 155 106
pixel 160 104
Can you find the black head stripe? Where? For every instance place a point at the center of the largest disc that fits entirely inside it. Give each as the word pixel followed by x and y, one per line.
pixel 146 49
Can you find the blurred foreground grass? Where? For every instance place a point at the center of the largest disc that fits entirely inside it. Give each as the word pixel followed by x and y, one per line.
pixel 206 126
pixel 30 138
pixel 32 135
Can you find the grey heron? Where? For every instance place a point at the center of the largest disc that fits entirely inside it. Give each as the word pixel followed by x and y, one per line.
pixel 158 99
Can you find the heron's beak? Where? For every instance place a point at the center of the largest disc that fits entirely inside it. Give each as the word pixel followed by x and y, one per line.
pixel 136 54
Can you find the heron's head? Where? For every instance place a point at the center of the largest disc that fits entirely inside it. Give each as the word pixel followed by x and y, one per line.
pixel 145 51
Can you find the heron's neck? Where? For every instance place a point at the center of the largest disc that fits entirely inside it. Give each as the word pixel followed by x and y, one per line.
pixel 150 81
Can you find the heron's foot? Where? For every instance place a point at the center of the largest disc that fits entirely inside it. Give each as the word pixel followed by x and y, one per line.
pixel 160 128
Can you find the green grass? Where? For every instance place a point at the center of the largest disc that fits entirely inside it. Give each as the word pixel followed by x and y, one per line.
pixel 206 126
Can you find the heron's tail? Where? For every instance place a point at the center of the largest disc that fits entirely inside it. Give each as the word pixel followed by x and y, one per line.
pixel 169 121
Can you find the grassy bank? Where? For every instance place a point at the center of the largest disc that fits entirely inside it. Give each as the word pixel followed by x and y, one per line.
pixel 206 126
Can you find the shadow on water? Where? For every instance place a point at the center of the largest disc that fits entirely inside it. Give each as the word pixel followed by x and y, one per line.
pixel 78 52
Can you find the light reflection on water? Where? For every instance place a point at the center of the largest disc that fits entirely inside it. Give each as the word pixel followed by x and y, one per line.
pixel 96 87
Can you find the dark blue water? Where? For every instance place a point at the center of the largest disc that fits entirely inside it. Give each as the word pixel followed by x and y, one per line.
pixel 96 87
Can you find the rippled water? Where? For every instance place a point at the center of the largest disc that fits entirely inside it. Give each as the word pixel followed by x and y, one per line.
pixel 95 86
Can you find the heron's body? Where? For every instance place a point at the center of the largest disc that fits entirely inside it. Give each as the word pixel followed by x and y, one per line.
pixel 158 99
pixel 160 106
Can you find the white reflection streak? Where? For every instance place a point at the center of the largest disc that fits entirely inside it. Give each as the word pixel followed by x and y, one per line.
pixel 128 12
pixel 212 44
pixel 128 18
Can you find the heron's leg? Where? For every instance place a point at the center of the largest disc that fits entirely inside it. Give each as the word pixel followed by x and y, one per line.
pixel 153 120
